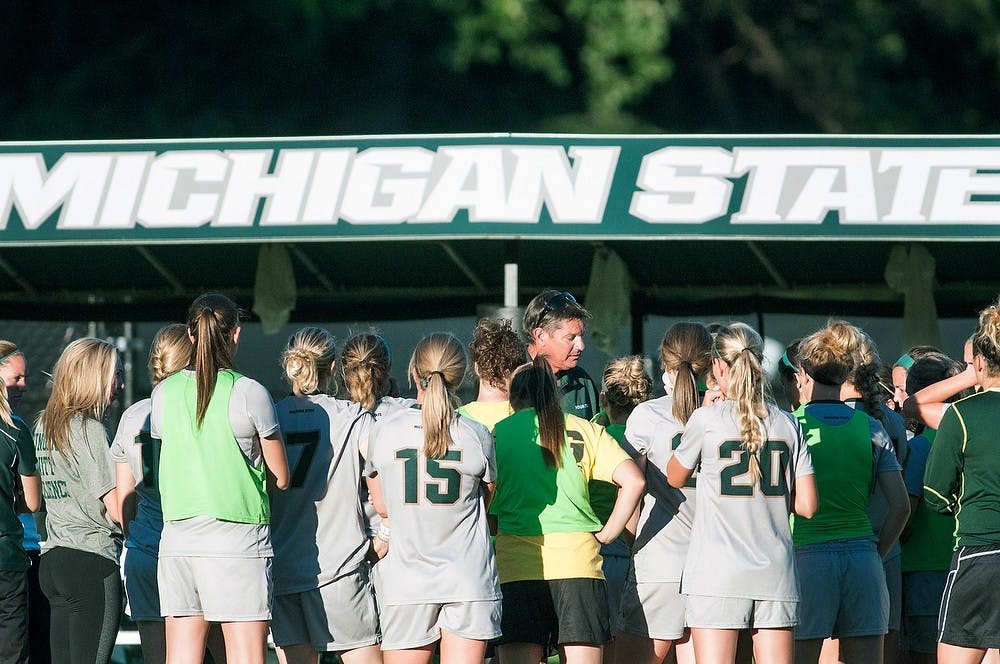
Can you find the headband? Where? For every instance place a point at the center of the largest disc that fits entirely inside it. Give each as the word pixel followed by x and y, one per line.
pixel 9 355
pixel 787 362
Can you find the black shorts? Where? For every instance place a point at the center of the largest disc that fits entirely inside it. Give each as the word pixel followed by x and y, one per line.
pixel 555 612
pixel 970 607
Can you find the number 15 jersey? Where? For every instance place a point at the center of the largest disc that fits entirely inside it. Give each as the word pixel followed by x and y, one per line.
pixel 440 547
pixel 741 542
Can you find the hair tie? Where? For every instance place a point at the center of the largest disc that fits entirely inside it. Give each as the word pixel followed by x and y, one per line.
pixel 425 381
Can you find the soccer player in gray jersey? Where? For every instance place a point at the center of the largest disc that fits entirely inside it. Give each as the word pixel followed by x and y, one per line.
pixel 323 596
pixel 430 472
pixel 754 470
pixel 652 613
pixel 135 457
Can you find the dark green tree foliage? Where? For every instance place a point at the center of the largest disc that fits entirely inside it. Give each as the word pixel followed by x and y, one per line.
pixel 316 67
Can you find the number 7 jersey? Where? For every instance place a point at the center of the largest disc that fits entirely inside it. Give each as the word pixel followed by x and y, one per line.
pixel 741 541
pixel 440 548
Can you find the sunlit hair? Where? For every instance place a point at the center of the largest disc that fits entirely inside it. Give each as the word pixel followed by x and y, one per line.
pixel 307 361
pixel 548 310
pixel 533 385
pixel 212 320
pixel 986 340
pixel 439 364
pixel 626 385
pixel 866 369
pixel 170 352
pixel 686 348
pixel 741 348
pixel 827 355
pixel 81 386
pixel 8 349
pixel 364 368
pixel 496 351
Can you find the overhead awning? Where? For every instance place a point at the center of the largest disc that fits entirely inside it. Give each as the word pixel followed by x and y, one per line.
pixel 418 226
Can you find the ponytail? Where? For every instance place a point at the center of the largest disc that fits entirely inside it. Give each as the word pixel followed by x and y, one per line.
pixel 742 349
pixel 364 368
pixel 534 386
pixel 212 320
pixel 439 364
pixel 686 349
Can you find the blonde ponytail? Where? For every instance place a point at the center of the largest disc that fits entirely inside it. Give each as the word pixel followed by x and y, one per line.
pixel 741 348
pixel 439 364
pixel 307 360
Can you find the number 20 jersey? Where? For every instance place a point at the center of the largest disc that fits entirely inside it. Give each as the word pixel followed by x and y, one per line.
pixel 741 542
pixel 440 548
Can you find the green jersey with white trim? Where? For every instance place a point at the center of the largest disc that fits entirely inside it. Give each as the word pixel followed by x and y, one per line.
pixel 962 477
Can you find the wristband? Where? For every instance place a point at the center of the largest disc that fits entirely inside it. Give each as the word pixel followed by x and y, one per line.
pixel 383 533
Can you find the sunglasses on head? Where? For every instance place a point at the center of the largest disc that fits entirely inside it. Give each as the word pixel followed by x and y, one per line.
pixel 559 301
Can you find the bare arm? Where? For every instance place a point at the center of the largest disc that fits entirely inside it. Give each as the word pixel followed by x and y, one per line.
pixel 631 486
pixel 892 486
pixel 928 405
pixel 806 500
pixel 125 484
pixel 677 474
pixel 110 500
pixel 380 544
pixel 273 449
pixel 31 488
pixel 632 527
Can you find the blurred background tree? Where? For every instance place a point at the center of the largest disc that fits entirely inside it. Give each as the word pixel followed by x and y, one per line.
pixel 185 68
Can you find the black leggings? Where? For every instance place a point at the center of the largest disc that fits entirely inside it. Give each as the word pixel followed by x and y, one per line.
pixel 85 593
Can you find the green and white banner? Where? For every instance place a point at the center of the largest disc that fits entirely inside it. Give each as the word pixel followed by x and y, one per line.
pixel 501 186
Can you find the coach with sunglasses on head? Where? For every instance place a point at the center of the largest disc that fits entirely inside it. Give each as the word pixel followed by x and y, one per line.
pixel 554 323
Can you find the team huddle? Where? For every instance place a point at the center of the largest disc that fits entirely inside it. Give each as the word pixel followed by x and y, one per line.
pixel 549 514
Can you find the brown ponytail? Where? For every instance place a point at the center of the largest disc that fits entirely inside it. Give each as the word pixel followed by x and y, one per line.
pixel 534 386
pixel 212 320
pixel 686 348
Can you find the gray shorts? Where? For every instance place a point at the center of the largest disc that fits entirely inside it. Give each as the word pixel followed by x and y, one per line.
pixel 738 613
pixel 415 625
pixel 220 589
pixel 893 568
pixel 338 616
pixel 844 592
pixel 654 610
pixel 142 595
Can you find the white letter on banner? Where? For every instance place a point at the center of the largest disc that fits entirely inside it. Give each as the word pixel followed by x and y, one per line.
pixel 573 195
pixel 249 179
pixel 76 182
pixel 122 195
pixel 952 200
pixel 856 202
pixel 473 178
pixel 769 172
pixel 326 186
pixel 705 191
pixel 378 189
pixel 169 201
pixel 949 202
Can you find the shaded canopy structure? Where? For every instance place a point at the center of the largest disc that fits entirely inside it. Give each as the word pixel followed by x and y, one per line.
pixel 388 279
pixel 411 227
